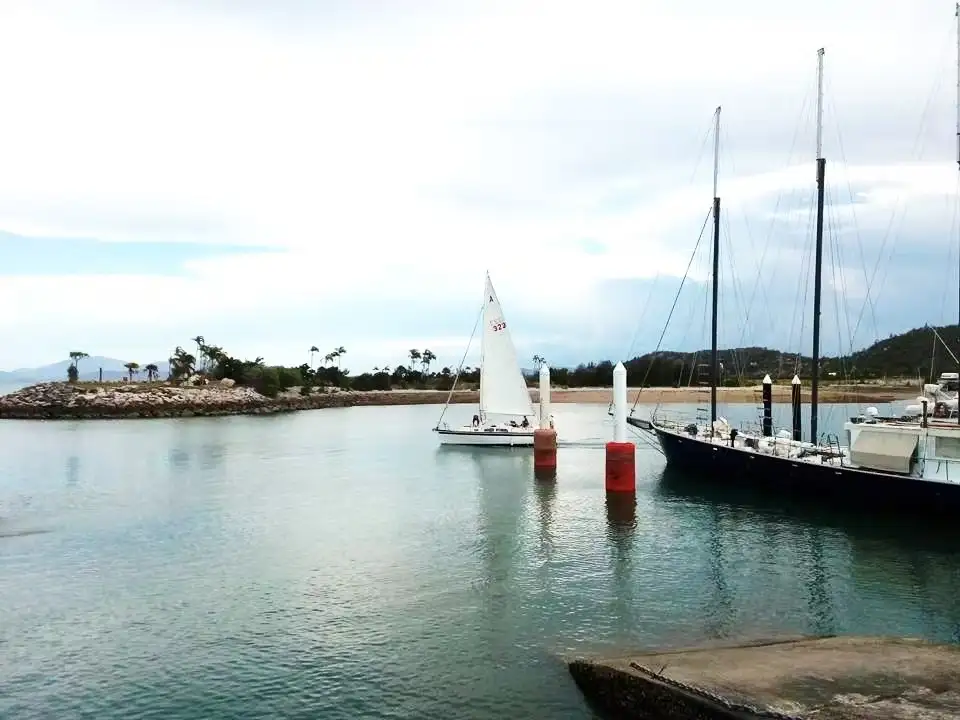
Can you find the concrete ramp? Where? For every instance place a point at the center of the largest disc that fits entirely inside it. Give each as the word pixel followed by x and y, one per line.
pixel 834 678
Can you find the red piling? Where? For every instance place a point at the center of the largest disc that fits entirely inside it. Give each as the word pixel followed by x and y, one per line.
pixel 544 449
pixel 621 470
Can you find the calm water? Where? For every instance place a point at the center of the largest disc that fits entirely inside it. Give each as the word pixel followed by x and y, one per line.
pixel 336 564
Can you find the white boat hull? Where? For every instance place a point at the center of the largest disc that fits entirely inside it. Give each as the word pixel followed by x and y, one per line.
pixel 501 436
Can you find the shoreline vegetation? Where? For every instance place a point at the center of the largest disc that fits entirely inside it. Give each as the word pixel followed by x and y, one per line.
pixel 218 384
pixel 63 400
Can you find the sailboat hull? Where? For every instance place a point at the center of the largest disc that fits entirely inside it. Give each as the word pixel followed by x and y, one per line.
pixel 486 437
pixel 736 466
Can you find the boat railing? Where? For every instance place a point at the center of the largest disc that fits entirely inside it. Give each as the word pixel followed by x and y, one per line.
pixel 671 419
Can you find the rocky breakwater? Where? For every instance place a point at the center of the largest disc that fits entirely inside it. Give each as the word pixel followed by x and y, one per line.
pixel 92 401
pixel 60 400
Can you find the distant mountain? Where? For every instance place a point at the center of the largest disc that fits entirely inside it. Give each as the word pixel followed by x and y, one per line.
pixel 113 369
pixel 906 354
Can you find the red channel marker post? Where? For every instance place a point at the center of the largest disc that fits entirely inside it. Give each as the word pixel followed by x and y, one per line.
pixel 621 467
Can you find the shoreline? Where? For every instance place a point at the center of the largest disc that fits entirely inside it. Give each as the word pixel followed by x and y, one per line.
pixel 88 401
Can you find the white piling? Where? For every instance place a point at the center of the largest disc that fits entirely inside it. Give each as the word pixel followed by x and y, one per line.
pixel 544 398
pixel 619 403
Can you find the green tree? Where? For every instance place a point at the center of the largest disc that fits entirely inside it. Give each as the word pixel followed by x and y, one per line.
pixel 152 372
pixel 426 358
pixel 313 349
pixel 414 357
pixel 75 356
pixel 131 367
pixel 182 364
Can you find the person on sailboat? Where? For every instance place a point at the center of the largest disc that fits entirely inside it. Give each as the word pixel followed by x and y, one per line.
pixel 476 421
pixel 525 423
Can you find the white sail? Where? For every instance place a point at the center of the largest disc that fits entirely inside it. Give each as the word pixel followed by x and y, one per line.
pixel 503 390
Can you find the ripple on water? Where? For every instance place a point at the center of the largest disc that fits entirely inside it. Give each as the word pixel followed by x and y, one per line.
pixel 288 567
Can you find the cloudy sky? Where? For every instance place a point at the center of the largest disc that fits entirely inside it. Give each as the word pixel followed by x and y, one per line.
pixel 274 175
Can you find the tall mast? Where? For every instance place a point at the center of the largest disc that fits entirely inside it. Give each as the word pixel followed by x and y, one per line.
pixel 818 259
pixel 714 357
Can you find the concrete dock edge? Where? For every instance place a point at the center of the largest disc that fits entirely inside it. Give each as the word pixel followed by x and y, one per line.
pixel 827 678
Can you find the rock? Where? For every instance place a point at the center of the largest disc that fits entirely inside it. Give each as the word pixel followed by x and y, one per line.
pixel 55 400
pixel 228 382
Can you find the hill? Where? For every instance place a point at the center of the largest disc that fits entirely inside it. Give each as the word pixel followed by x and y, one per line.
pixel 904 355
pixel 89 368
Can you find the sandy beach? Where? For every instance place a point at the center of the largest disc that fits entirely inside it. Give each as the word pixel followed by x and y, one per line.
pixel 781 393
pixel 48 401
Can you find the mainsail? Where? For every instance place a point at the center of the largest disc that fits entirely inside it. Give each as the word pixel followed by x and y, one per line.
pixel 503 390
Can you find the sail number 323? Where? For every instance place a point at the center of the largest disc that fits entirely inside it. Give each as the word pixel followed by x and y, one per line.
pixel 498 325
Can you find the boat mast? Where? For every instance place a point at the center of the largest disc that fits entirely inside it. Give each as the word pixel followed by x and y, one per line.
pixel 818 259
pixel 714 357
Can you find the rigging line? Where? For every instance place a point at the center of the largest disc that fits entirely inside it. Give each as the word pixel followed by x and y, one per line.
pixel 803 288
pixel 843 295
pixel 804 107
pixel 643 313
pixel 758 284
pixel 673 307
pixel 700 154
pixel 946 347
pixel 683 339
pixel 804 197
pixel 853 210
pixel 950 264
pixel 917 150
pixel 836 274
pixel 703 331
pixel 737 293
pixel 460 367
pixel 808 277
pixel 838 279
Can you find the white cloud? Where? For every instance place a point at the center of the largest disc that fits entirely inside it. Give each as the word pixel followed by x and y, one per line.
pixel 346 140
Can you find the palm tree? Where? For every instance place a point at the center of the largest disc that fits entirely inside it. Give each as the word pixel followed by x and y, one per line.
pixel 76 356
pixel 212 357
pixel 539 361
pixel 425 359
pixel 414 357
pixel 182 363
pixel 199 340
pixel 328 358
pixel 340 351
pixel 313 349
pixel 131 367
pixel 152 372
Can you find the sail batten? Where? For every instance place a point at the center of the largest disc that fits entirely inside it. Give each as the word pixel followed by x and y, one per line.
pixel 503 390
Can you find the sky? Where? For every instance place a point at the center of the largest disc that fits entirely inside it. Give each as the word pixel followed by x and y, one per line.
pixel 276 175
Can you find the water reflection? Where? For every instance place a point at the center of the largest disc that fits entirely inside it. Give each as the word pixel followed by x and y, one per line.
pixel 73 469
pixel 819 596
pixel 501 492
pixel 621 527
pixel 720 609
pixel 545 492
pixel 893 558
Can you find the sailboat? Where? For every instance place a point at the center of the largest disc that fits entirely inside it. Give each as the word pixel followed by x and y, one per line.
pixel 506 414
pixel 903 460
